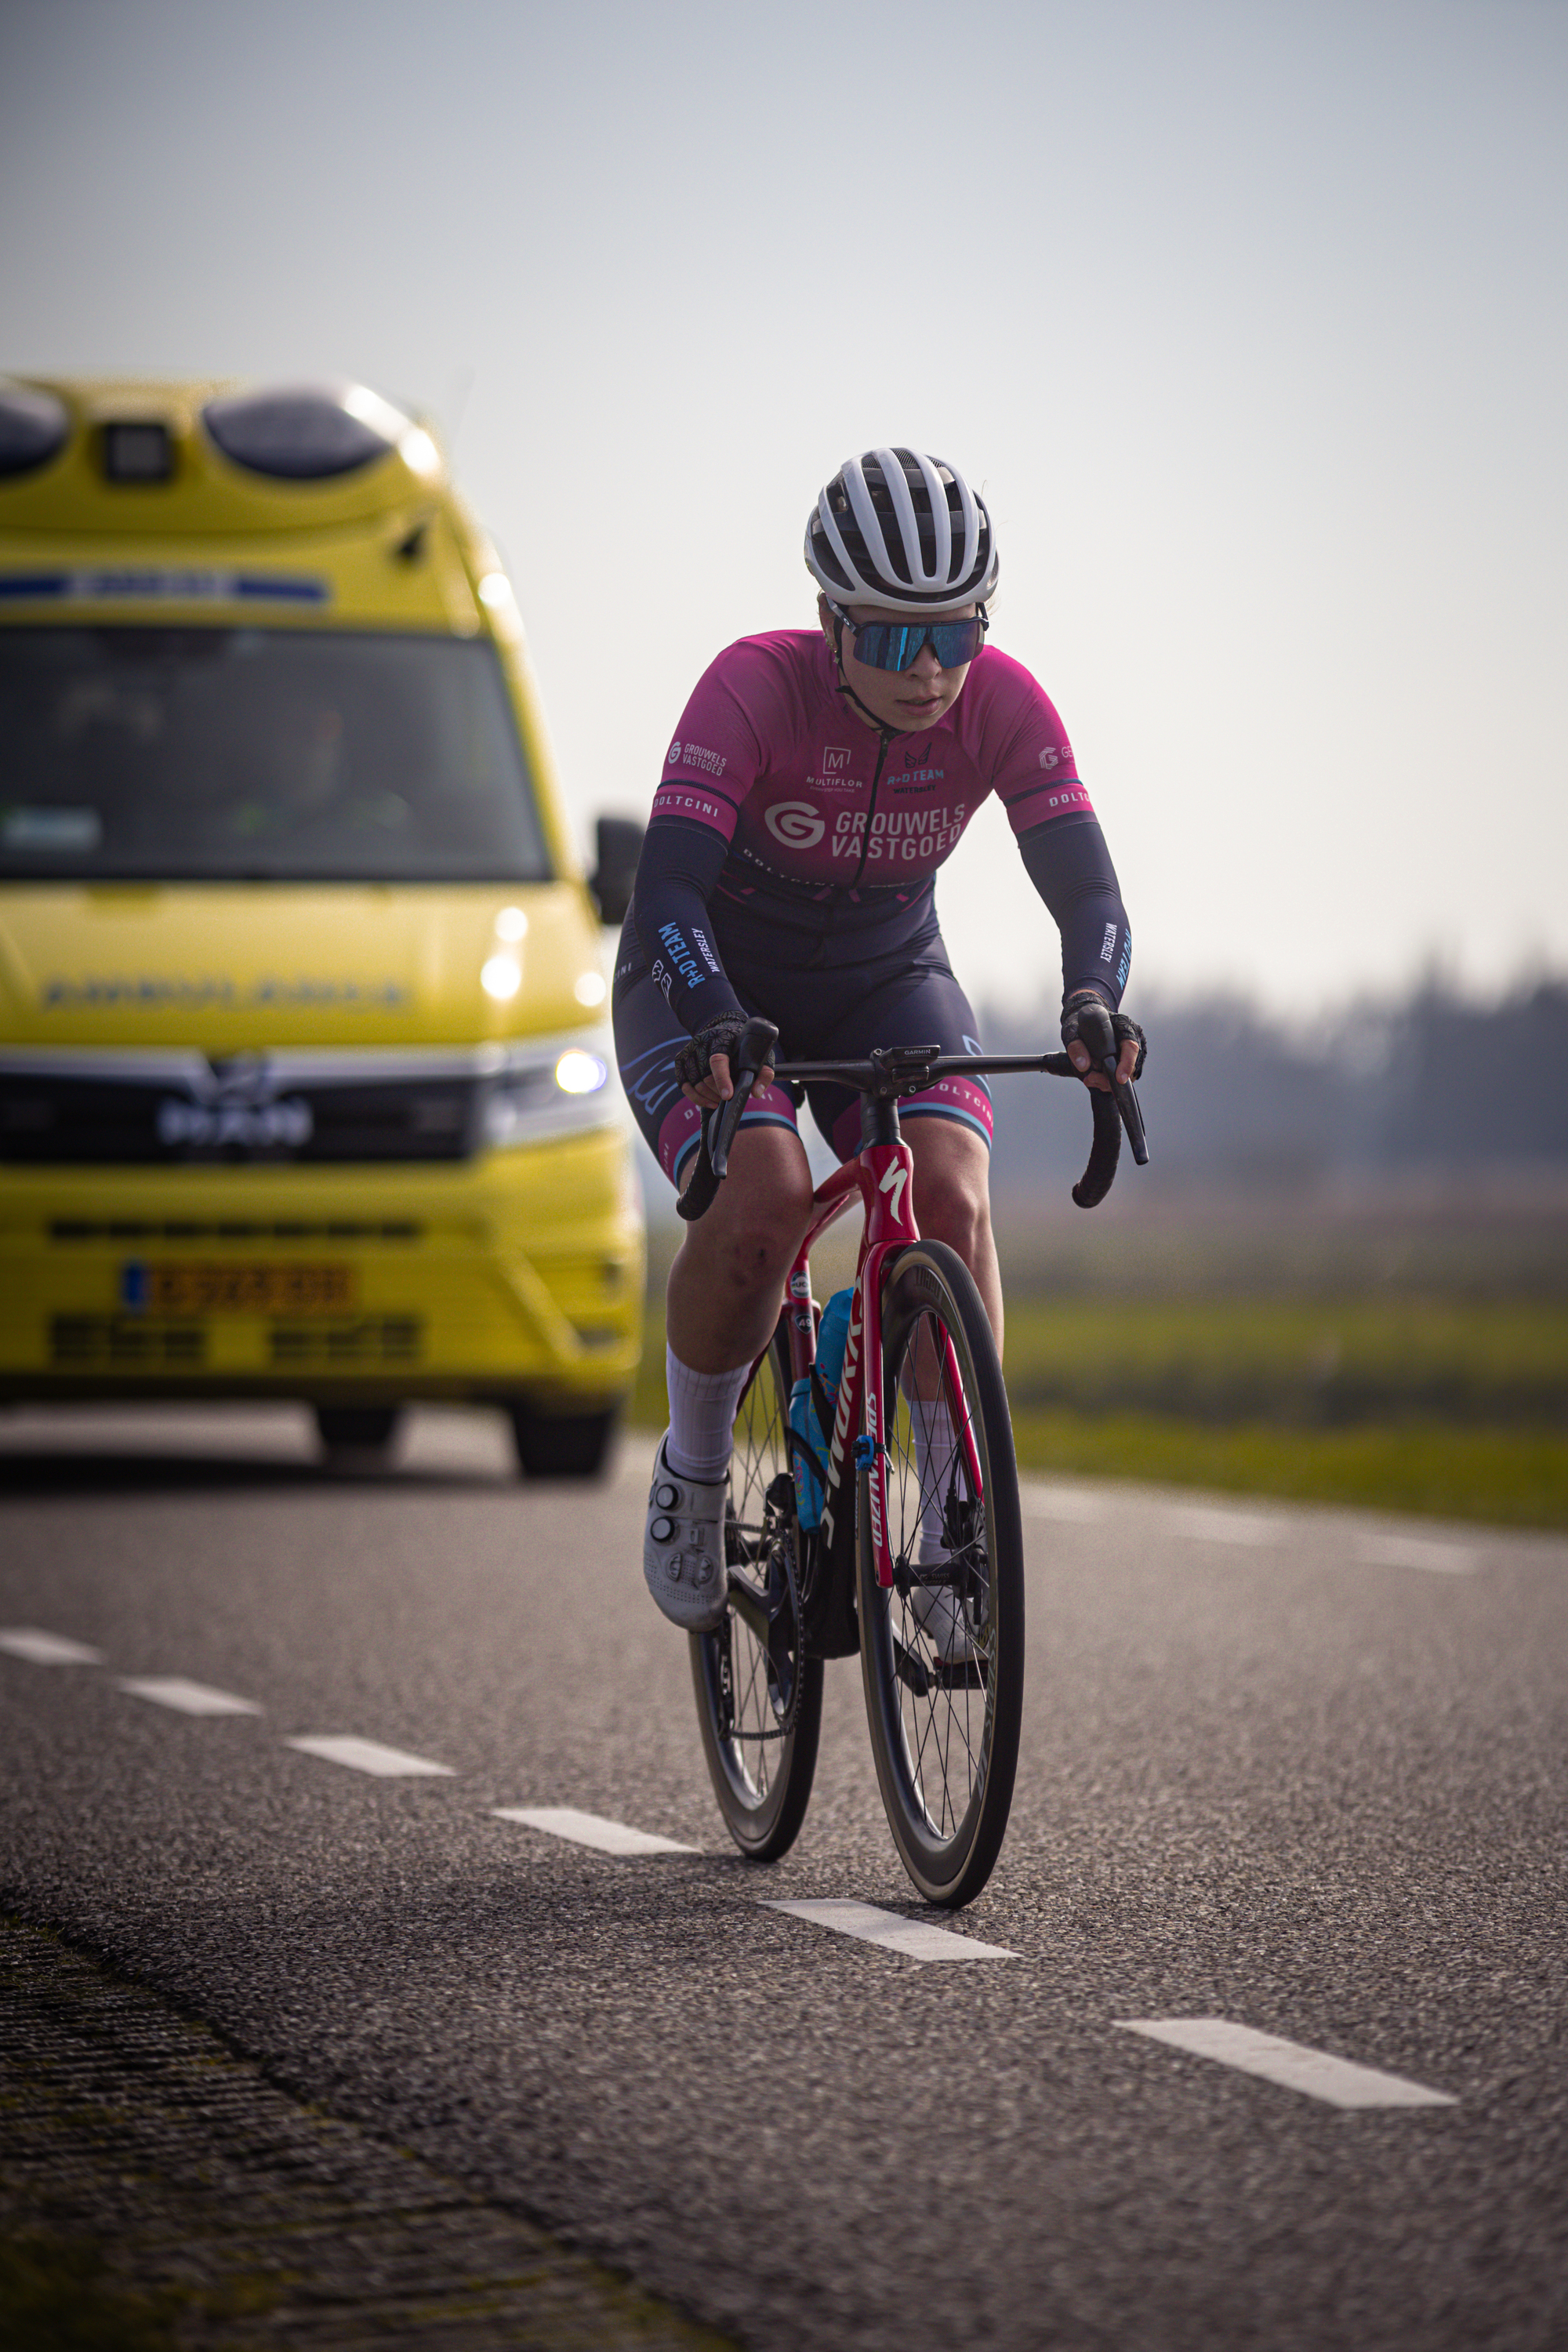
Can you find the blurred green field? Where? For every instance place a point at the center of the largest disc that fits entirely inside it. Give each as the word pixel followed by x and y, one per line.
pixel 1400 1360
pixel 1292 1363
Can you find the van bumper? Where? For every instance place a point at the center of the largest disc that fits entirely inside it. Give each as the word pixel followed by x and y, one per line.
pixel 514 1276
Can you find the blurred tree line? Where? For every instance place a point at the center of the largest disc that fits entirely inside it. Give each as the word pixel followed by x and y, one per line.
pixel 1434 1083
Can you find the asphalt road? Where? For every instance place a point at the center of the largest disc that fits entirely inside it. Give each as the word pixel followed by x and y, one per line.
pixel 1301 1772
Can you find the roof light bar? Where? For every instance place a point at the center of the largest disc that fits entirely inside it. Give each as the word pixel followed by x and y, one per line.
pixel 34 427
pixel 137 452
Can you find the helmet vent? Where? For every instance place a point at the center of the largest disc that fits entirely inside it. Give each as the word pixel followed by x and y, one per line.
pixel 897 527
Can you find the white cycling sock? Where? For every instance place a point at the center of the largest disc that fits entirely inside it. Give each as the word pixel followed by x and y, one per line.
pixel 701 1418
pixel 933 1461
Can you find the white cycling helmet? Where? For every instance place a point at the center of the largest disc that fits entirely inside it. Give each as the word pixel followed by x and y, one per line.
pixel 895 527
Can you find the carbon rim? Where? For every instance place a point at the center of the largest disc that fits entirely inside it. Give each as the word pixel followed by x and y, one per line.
pixel 944 1651
pixel 759 1700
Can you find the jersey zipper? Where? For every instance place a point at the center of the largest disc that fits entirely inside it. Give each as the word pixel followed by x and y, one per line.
pixel 870 814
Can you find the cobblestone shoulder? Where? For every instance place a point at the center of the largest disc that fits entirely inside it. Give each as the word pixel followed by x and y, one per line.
pixel 155 2190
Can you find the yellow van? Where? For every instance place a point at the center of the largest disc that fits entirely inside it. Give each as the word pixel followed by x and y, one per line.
pixel 305 1083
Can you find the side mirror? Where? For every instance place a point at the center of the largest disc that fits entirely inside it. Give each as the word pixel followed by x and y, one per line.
pixel 619 841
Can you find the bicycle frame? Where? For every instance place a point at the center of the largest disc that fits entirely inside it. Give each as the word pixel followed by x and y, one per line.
pixel 883 1175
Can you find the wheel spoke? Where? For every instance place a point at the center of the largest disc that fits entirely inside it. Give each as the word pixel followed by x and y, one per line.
pixel 761 1766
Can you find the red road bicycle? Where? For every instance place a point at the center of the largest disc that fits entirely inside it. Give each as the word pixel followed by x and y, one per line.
pixel 916 1558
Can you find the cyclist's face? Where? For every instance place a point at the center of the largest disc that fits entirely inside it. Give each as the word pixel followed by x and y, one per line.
pixel 907 700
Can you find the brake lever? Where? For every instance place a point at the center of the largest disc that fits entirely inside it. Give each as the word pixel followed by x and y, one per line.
pixel 753 1047
pixel 1127 1103
pixel 724 1120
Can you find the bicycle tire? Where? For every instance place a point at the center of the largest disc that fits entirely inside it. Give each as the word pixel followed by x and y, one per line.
pixel 944 1728
pixel 760 1738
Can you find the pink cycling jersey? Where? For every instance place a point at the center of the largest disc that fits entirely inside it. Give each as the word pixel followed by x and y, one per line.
pixel 769 755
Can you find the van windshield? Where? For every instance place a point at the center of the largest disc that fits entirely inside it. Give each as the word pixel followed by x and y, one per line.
pixel 240 754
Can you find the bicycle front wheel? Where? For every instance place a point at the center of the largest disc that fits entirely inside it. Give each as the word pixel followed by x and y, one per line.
pixel 759 1697
pixel 941 1650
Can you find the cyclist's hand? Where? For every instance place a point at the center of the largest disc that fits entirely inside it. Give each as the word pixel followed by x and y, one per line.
pixel 718 1086
pixel 703 1067
pixel 1091 1031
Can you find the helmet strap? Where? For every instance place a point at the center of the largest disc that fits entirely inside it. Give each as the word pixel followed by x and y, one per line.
pixel 883 729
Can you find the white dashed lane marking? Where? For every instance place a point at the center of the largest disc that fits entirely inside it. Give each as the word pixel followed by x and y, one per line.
pixel 913 1937
pixel 1315 2072
pixel 187 1697
pixel 1418 1551
pixel 370 1756
pixel 590 1830
pixel 47 1649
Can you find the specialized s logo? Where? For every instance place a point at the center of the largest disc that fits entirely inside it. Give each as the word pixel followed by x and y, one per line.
pixel 893 1184
pixel 797 823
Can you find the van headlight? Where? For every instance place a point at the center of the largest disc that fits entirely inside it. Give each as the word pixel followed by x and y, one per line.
pixel 578 1073
pixel 548 1086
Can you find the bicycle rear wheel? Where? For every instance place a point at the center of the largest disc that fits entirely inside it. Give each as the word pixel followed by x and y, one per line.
pixel 943 1651
pixel 759 1700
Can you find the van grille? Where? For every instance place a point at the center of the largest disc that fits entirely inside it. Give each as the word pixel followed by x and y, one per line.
pixel 53 1117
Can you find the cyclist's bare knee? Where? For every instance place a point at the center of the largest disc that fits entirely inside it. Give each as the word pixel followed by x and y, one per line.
pixel 727 1283
pixel 762 1209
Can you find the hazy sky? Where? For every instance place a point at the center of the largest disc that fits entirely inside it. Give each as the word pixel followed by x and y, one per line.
pixel 1249 318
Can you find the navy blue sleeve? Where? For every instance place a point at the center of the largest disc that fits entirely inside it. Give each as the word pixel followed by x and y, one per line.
pixel 1070 866
pixel 679 865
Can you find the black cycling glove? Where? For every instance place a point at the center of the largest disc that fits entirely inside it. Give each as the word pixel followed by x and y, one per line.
pixel 720 1036
pixel 1087 1021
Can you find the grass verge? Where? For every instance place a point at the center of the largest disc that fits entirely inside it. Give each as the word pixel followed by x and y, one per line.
pixel 1512 1478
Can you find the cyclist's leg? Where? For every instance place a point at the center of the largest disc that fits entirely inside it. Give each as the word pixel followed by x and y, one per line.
pixel 727 1283
pixel 728 1278
pixel 723 1301
pixel 952 1198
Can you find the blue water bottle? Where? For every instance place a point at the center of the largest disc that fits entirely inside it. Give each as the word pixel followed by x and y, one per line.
pixel 810 1439
pixel 832 1339
pixel 807 1447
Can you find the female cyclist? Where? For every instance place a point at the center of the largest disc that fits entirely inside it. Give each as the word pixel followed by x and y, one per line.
pixel 817 780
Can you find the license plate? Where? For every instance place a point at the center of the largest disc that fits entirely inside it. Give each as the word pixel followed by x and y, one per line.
pixel 220 1286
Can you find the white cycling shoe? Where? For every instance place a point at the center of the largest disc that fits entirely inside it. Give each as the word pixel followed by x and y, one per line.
pixel 939 1612
pixel 683 1547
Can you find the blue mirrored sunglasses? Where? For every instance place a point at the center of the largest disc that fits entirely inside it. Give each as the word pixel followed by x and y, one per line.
pixel 895 645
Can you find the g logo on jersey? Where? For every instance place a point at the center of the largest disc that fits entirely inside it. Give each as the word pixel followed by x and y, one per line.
pixel 797 823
